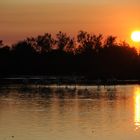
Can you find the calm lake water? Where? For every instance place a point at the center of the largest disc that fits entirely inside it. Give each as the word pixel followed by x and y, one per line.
pixel 70 113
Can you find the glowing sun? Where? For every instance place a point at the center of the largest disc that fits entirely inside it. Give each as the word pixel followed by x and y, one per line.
pixel 135 36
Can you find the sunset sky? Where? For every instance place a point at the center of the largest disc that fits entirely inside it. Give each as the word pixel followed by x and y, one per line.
pixel 20 19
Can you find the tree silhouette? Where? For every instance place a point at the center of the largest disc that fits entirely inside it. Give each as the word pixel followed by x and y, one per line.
pixel 70 47
pixel 62 40
pixel 23 48
pixel 110 41
pixel 1 43
pixel 98 42
pixel 86 41
pixel 45 42
pixel 89 42
pixel 87 55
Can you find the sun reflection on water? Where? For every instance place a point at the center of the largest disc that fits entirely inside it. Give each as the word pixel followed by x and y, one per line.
pixel 137 108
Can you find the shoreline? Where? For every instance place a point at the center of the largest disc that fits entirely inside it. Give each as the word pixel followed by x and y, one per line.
pixel 61 80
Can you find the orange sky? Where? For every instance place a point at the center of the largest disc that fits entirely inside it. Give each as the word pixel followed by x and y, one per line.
pixel 29 18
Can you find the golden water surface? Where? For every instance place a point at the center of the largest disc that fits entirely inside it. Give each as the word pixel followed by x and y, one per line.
pixel 37 112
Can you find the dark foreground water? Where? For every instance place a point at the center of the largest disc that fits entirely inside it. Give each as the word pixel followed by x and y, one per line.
pixel 69 113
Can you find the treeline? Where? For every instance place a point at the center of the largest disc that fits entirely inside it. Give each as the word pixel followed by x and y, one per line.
pixel 87 55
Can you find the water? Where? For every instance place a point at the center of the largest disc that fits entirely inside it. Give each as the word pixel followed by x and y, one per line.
pixel 36 112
